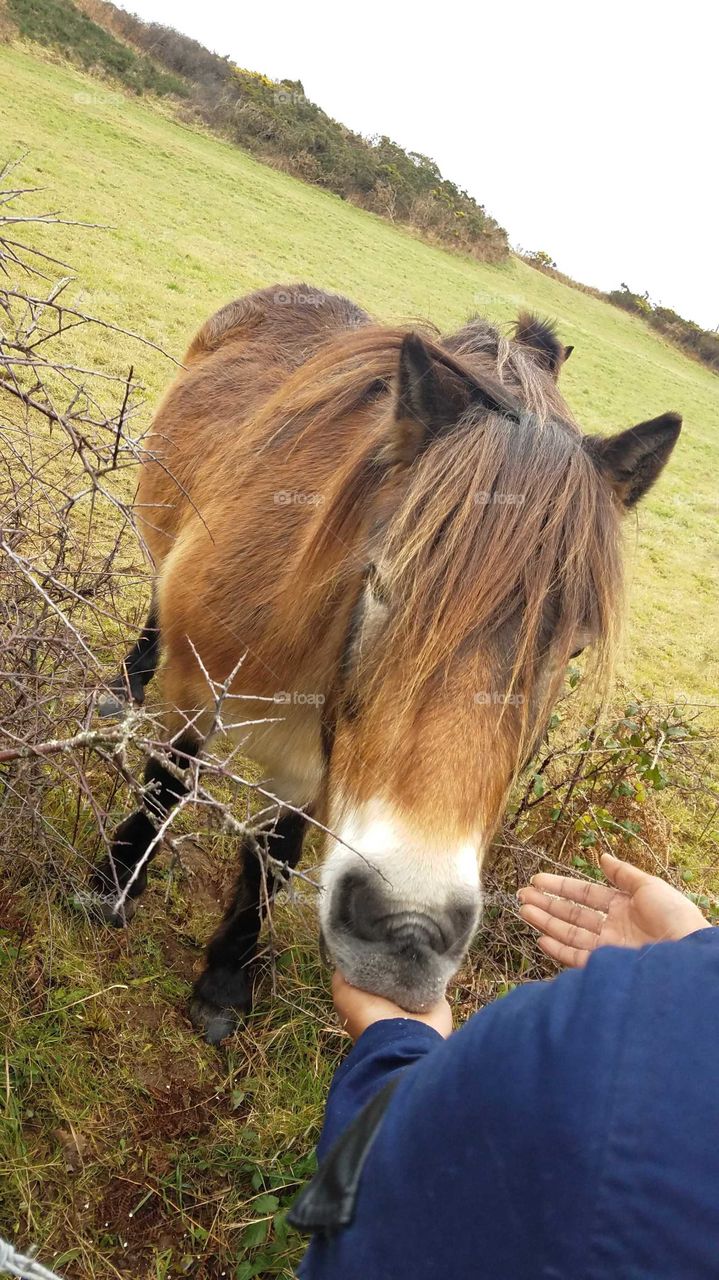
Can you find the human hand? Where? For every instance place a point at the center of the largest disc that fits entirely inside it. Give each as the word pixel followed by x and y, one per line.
pixel 634 909
pixel 357 1009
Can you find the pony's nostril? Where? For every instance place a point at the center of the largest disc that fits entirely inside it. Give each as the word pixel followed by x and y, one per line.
pixel 362 911
pixel 413 932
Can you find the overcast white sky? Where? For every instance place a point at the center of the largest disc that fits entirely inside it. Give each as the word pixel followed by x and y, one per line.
pixel 587 131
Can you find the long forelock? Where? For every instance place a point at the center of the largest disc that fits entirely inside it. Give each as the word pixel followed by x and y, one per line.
pixel 503 522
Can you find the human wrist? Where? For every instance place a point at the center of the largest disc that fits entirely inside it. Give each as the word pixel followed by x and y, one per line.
pixel 687 919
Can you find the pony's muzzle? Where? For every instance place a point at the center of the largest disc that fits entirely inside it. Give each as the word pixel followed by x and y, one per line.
pixel 389 948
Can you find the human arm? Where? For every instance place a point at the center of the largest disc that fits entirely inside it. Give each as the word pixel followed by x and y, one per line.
pixel 455 1152
pixel 387 1041
pixel 573 917
pixel 493 1144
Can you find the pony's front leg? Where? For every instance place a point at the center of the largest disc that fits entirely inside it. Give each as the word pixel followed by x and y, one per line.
pixel 125 867
pixel 223 992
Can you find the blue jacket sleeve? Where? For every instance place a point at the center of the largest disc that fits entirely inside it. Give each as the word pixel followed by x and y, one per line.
pixel 561 1132
pixel 380 1052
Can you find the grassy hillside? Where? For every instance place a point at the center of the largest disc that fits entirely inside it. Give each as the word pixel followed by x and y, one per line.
pixel 128 1147
pixel 274 121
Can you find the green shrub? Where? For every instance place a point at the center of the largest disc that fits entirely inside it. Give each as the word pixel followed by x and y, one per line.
pixel 596 787
pixel 540 258
pixel 58 24
pixel 683 333
pixel 277 119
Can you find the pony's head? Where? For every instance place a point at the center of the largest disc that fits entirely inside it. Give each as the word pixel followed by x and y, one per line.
pixel 482 537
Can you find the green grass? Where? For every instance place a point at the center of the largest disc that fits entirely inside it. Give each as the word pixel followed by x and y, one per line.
pixel 128 1146
pixel 111 1106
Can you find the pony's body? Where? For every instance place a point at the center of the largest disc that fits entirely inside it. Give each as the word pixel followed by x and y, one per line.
pixel 218 451
pixel 212 582
pixel 403 539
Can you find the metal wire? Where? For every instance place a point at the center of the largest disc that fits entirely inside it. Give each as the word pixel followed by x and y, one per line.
pixel 13 1263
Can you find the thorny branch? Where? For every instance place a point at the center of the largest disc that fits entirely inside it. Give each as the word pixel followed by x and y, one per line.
pixel 74 583
pixel 73 569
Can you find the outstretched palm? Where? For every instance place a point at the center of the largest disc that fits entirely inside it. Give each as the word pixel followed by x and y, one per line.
pixel 576 916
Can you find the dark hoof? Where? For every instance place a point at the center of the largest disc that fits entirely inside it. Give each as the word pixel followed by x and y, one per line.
pixel 213 1023
pixel 220 999
pixel 118 917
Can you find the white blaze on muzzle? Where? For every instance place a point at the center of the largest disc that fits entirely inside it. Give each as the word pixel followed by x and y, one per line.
pixel 399 907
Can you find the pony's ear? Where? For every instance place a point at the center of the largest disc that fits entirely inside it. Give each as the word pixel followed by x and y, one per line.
pixel 433 393
pixel 541 338
pixel 634 459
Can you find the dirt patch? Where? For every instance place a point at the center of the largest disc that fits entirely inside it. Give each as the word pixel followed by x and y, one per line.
pixel 183 1108
pixel 182 955
pixel 150 1017
pixel 13 919
pixel 204 878
pixel 135 1224
pixel 74 1147
pixel 142 1216
pixel 166 1073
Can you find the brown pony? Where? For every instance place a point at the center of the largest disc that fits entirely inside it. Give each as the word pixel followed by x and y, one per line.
pixel 407 537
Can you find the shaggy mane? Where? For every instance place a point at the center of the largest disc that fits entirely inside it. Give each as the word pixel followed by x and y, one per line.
pixel 501 527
